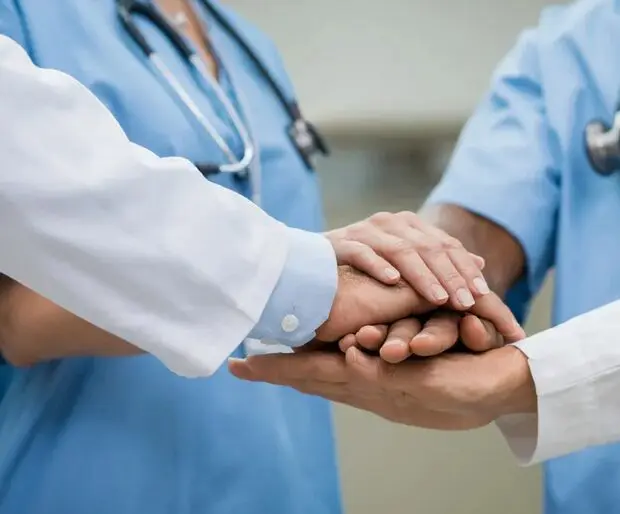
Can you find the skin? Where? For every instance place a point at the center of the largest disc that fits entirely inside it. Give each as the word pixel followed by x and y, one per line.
pixel 451 391
pixel 34 329
pixel 505 263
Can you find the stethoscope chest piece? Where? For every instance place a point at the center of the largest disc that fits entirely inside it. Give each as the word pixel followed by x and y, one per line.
pixel 304 136
pixel 603 146
pixel 307 140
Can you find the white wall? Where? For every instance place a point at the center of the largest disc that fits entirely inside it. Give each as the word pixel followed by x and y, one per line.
pixel 359 64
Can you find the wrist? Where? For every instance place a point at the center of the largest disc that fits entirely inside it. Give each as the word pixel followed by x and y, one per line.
pixel 515 392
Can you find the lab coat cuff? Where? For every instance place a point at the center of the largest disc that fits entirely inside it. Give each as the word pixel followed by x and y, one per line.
pixel 565 422
pixel 576 371
pixel 304 294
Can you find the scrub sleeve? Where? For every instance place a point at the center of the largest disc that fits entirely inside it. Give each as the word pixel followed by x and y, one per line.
pixel 504 167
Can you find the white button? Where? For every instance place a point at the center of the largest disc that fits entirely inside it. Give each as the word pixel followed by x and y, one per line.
pixel 270 342
pixel 290 323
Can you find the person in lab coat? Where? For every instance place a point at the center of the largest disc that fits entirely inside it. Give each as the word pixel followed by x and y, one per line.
pixel 134 248
pixel 521 192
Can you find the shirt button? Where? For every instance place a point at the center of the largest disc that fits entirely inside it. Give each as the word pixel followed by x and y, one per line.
pixel 290 323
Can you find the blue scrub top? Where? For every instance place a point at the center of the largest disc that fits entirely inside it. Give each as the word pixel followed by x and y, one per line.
pixel 521 162
pixel 126 436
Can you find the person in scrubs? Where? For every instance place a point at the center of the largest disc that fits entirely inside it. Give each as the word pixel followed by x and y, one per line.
pixel 520 191
pixel 123 434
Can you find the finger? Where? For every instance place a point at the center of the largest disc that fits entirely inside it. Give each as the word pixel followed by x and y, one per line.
pixel 464 264
pixel 470 271
pixel 479 335
pixel 442 266
pixel 287 369
pixel 365 259
pixel 375 371
pixel 455 268
pixel 347 342
pixel 480 262
pixel 371 337
pixel 467 264
pixel 397 242
pixel 402 250
pixel 438 334
pixel 396 347
pixel 493 309
pixel 420 276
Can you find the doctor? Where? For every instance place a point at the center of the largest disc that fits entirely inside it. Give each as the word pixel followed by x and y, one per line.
pixel 521 191
pixel 196 269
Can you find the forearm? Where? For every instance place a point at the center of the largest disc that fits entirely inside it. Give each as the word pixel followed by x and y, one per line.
pixel 33 329
pixel 505 260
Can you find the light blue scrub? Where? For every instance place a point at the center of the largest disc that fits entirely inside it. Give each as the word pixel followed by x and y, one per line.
pixel 521 162
pixel 126 436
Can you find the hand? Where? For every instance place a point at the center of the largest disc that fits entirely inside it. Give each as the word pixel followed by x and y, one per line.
pixel 449 392
pixel 361 300
pixel 390 246
pixel 408 337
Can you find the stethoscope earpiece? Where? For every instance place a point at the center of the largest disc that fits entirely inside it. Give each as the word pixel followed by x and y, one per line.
pixel 602 144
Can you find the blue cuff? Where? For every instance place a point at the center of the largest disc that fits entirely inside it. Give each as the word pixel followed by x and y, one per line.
pixel 303 297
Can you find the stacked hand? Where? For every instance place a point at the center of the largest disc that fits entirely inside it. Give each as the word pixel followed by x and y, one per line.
pixel 408 293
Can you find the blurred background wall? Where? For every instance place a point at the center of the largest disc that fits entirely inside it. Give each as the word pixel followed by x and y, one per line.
pixel 391 83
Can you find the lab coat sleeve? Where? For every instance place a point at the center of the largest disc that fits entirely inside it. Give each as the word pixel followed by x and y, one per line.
pixel 141 246
pixel 576 371
pixel 505 165
pixel 291 317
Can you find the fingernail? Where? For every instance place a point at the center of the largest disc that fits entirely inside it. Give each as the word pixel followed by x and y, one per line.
pixel 439 293
pixel 465 298
pixel 352 355
pixel 392 273
pixel 481 285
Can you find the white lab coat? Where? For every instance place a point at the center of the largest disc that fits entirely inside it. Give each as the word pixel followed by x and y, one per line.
pixel 576 370
pixel 141 246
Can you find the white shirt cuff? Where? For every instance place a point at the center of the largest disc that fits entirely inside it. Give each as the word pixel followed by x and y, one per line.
pixel 576 372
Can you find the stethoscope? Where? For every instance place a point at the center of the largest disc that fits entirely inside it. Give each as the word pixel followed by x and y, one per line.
pixel 603 145
pixel 304 136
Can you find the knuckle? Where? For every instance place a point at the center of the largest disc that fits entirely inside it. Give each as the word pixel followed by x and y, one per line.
pixel 408 216
pixel 430 245
pixel 366 254
pixel 354 231
pixel 357 246
pixel 453 278
pixel 451 243
pixel 401 246
pixel 381 218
